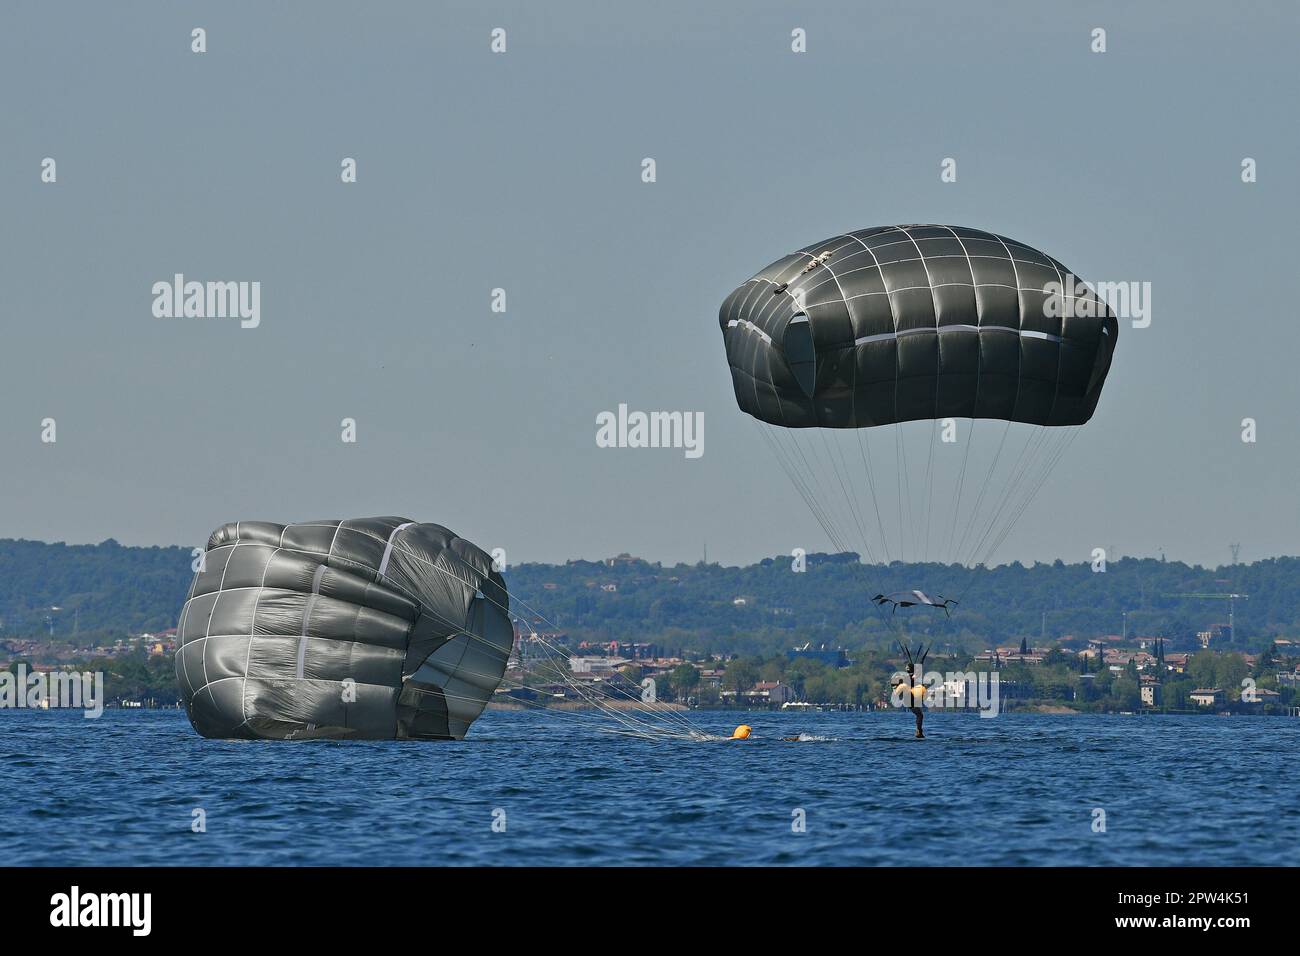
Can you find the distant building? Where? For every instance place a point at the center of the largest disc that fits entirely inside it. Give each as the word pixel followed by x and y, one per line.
pixel 596 666
pixel 711 677
pixel 1206 696
pixel 774 692
pixel 1004 655
pixel 1262 696
pixel 763 693
pixel 623 649
pixel 1149 689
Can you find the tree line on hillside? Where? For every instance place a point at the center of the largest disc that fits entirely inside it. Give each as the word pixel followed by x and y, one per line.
pixel 108 590
pixel 763 608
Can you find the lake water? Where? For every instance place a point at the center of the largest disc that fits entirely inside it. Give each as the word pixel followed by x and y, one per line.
pixel 1015 790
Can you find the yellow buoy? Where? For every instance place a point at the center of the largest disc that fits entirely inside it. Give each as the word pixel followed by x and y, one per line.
pixel 741 732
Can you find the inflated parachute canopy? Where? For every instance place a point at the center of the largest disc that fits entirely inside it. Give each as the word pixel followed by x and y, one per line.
pixel 902 323
pixel 371 628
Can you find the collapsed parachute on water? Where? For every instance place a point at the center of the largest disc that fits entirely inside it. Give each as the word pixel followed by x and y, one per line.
pixel 372 628
pixel 861 347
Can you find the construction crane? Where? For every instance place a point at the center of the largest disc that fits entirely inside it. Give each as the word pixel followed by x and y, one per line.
pixel 1231 598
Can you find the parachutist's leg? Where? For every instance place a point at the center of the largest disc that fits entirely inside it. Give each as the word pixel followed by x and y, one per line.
pixel 920 718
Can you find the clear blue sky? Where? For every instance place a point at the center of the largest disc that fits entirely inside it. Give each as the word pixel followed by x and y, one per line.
pixel 522 171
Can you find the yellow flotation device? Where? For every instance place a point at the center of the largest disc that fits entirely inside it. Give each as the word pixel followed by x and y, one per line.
pixel 742 732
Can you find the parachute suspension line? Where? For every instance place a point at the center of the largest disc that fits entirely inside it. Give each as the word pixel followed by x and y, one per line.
pixel 622 716
pixel 627 719
pixel 826 498
pixel 900 471
pixel 839 509
pixel 864 450
pixel 850 498
pixel 911 496
pixel 1046 464
pixel 584 693
pixel 929 492
pixel 854 496
pixel 584 717
pixel 961 481
pixel 1020 496
pixel 1020 474
pixel 831 524
pixel 1016 477
pixel 819 513
pixel 803 478
pixel 822 497
pixel 1006 479
pixel 1062 446
pixel 979 499
pixel 1060 453
pixel 797 478
pixel 664 711
pixel 691 729
pixel 967 548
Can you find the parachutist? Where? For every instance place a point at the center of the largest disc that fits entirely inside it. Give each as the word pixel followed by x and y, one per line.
pixel 863 356
pixel 912 689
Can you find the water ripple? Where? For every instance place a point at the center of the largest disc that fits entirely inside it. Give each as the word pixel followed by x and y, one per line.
pixel 528 789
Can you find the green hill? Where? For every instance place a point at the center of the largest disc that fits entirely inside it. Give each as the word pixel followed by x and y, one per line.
pixel 110 590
